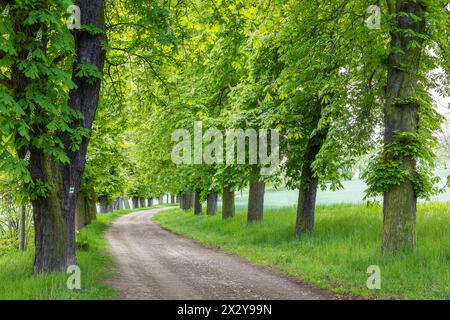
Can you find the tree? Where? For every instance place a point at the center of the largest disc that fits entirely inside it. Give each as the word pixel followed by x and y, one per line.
pixel 403 170
pixel 48 128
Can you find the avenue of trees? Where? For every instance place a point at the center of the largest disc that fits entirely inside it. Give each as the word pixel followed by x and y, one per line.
pixel 87 113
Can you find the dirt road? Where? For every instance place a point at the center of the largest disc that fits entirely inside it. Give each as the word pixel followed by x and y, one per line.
pixel 154 263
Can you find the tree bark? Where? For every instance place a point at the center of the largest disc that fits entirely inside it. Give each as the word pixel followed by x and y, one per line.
pixel 256 197
pixel 228 208
pixel 172 199
pixel 307 199
pixel 211 203
pixel 142 203
pixel 54 249
pixel 23 230
pixel 198 210
pixel 401 116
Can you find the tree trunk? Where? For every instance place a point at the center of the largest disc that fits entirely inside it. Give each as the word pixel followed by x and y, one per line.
pixel 211 203
pixel 135 203
pixel 256 197
pixel 198 210
pixel 228 208
pixel 182 198
pixel 308 189
pixel 172 199
pixel 54 216
pixel 150 203
pixel 126 203
pixel 161 200
pixel 104 207
pixel 306 201
pixel 23 230
pixel 142 203
pixel 54 248
pixel 401 116
pixel 80 218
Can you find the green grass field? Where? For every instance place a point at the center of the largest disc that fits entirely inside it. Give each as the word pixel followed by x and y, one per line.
pixel 347 241
pixel 18 283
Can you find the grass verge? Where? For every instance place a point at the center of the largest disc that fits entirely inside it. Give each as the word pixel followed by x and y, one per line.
pixel 96 265
pixel 346 242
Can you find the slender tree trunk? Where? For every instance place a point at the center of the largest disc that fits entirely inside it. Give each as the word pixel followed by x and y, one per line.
pixel 211 203
pixel 161 200
pixel 198 210
pixel 23 230
pixel 401 116
pixel 228 208
pixel 183 201
pixel 307 192
pixel 172 199
pixel 142 203
pixel 309 182
pixel 256 197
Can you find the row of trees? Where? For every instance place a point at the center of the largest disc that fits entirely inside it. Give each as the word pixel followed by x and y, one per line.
pixel 332 86
pixel 311 70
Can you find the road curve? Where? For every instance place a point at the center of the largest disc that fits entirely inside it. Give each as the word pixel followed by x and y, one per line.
pixel 156 264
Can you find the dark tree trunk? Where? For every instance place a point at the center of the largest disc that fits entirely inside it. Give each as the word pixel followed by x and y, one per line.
pixel 172 199
pixel 256 197
pixel 23 230
pixel 150 203
pixel 308 190
pixel 228 209
pixel 198 210
pixel 211 203
pixel 306 201
pixel 182 198
pixel 142 203
pixel 53 250
pixel 401 116
pixel 135 203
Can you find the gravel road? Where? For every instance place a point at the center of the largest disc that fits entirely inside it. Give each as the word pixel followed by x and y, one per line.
pixel 156 264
